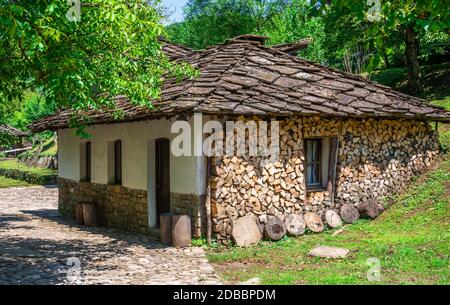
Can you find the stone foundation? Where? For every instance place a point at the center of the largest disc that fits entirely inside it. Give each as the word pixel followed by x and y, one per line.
pixel 192 205
pixel 375 158
pixel 118 206
pixel 125 208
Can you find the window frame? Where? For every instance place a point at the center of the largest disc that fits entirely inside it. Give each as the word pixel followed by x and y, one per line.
pixel 118 162
pixel 88 161
pixel 318 163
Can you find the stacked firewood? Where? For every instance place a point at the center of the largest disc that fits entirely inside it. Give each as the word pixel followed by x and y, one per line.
pixel 375 158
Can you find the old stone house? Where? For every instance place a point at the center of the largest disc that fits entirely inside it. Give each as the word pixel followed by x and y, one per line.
pixel 343 139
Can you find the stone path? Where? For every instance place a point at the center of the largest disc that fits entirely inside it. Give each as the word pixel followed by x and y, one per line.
pixel 37 246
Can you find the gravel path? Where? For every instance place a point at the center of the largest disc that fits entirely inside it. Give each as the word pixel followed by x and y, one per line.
pixel 37 246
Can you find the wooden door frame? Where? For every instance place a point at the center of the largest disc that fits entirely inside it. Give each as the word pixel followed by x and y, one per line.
pixel 158 181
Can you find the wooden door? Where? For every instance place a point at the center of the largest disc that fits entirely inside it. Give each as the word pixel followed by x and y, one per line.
pixel 162 181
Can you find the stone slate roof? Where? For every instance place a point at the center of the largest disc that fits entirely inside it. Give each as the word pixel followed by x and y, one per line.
pixel 9 130
pixel 244 77
pixel 293 48
pixel 174 51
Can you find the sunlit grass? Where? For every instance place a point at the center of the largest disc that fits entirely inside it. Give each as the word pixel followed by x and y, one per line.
pixel 6 182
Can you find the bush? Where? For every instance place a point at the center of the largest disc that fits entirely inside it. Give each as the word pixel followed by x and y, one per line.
pixel 14 170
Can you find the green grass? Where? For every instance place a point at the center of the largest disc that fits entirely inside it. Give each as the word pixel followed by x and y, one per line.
pixel 443 103
pixel 444 129
pixel 411 239
pixel 49 149
pixel 19 171
pixel 6 182
pixel 13 164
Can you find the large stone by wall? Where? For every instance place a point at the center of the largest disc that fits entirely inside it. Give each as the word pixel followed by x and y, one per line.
pixel 125 208
pixel 375 158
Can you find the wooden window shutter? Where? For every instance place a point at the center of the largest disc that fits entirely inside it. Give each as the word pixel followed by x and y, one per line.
pixel 118 162
pixel 88 161
pixel 332 167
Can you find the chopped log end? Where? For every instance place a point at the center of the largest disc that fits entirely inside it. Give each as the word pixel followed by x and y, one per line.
pixel 314 222
pixel 275 229
pixel 349 213
pixel 295 224
pixel 332 218
pixel 246 231
pixel 369 209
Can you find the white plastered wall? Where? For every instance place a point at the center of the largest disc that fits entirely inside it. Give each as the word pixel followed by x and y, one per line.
pixel 187 173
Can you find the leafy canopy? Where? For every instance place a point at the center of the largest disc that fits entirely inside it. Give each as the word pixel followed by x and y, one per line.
pixel 111 48
pixel 209 22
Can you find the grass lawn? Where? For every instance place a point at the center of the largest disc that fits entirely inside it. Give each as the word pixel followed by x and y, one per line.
pixel 411 240
pixel 13 164
pixel 6 182
pixel 18 171
pixel 49 148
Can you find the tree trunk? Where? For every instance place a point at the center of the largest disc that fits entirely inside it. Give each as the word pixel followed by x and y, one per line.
pixel 412 62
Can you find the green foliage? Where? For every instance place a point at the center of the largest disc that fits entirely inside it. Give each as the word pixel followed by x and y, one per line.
pixel 294 23
pixel 435 80
pixel 6 141
pixel 209 22
pixel 7 182
pixel 434 43
pixel 343 37
pixel 34 175
pixel 113 49
pixel 32 108
pixel 49 149
pixel 201 242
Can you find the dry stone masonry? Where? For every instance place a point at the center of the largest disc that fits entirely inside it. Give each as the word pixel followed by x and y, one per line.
pixel 122 207
pixel 375 158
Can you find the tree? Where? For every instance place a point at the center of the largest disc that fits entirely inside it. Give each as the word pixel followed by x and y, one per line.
pixel 410 17
pixel 294 22
pixel 79 57
pixel 209 22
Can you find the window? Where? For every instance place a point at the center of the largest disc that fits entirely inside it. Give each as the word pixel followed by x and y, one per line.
pixel 320 164
pixel 85 161
pixel 313 163
pixel 118 162
pixel 88 161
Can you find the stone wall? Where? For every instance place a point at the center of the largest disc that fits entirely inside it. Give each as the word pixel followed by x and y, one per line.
pixel 50 162
pixel 118 206
pixel 192 205
pixel 125 208
pixel 375 158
